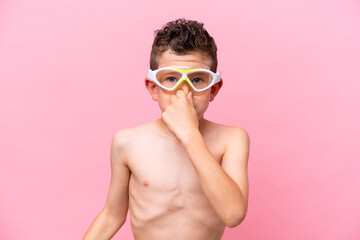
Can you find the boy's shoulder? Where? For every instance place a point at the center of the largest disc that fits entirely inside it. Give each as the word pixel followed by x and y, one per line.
pixel 152 127
pixel 134 141
pixel 211 130
pixel 132 134
pixel 217 129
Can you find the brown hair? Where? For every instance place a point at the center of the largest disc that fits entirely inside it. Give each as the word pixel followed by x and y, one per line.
pixel 182 37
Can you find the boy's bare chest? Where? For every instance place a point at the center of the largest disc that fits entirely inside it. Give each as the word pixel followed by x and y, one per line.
pixel 165 166
pixel 164 186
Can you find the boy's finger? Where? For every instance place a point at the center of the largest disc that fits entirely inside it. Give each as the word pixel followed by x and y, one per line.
pixel 190 97
pixel 179 93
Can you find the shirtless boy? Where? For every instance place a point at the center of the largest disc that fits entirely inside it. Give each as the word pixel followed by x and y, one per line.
pixel 182 177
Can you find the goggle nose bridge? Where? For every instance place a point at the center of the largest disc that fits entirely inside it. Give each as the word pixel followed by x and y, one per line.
pixel 184 78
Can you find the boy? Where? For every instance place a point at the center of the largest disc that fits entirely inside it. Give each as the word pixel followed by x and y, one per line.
pixel 181 176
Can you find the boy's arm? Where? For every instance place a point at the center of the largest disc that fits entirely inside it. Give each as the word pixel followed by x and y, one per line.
pixel 113 215
pixel 225 186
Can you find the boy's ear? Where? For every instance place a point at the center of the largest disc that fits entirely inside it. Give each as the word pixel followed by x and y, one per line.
pixel 215 89
pixel 152 88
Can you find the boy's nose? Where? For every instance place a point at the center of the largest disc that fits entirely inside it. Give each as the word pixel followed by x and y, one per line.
pixel 185 87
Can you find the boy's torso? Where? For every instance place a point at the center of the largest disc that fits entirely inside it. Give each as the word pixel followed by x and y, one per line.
pixel 166 200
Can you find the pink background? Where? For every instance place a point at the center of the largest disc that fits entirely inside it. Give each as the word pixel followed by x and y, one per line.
pixel 72 74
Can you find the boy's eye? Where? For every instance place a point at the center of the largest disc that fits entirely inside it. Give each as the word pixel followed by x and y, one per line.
pixel 197 80
pixel 171 79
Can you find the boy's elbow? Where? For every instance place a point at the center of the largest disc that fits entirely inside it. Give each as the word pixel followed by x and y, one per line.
pixel 235 220
pixel 117 219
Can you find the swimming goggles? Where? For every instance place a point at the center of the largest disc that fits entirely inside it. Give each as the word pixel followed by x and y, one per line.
pixel 170 78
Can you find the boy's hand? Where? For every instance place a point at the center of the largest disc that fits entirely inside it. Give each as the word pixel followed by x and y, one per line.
pixel 180 116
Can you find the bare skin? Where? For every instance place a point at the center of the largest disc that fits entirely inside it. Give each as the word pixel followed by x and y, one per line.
pixel 180 176
pixel 165 197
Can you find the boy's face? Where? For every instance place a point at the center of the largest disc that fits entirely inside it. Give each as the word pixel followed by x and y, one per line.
pixel 189 61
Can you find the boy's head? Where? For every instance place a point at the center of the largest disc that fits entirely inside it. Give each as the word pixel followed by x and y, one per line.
pixel 185 46
pixel 183 37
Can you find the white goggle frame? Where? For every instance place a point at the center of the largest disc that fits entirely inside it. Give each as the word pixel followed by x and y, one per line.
pixel 152 76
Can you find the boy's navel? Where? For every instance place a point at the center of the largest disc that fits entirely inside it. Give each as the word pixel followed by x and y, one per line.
pixel 146 183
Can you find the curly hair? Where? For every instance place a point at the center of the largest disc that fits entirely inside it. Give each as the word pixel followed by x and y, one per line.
pixel 183 37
